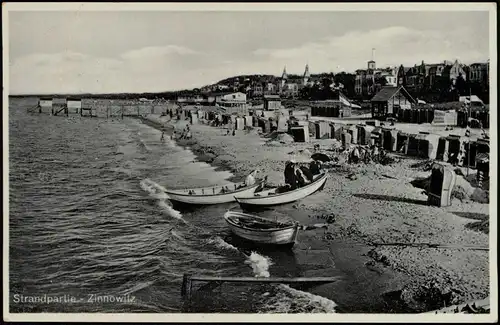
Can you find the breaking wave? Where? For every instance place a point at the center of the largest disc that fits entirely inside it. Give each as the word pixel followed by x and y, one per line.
pixel 157 191
pixel 221 243
pixel 289 300
pixel 260 264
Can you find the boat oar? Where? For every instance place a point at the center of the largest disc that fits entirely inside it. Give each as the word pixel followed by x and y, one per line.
pixel 314 226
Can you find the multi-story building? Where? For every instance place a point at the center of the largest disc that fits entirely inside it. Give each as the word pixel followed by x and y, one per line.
pixel 478 72
pixel 369 81
pixel 257 90
pixel 270 89
pixel 415 77
pixel 452 72
pixel 364 83
pixel 288 88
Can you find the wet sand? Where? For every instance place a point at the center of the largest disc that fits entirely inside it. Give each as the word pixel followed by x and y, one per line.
pixel 373 208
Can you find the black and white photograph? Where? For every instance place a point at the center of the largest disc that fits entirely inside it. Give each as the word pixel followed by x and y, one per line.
pixel 250 161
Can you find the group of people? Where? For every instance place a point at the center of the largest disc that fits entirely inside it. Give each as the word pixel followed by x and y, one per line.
pixel 366 155
pixel 186 133
pixel 299 175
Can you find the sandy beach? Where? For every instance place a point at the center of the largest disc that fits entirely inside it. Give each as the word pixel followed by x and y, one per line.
pixel 379 205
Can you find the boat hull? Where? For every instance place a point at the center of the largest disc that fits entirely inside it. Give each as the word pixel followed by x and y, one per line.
pixel 212 199
pixel 254 201
pixel 285 236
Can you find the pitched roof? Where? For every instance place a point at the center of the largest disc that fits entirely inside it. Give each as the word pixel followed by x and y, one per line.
pixel 388 92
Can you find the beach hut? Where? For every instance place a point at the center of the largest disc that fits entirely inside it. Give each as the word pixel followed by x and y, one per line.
pixel 248 120
pixel 300 133
pixel 282 123
pixel 364 133
pixel 239 123
pixel 483 169
pixel 455 149
pixel 433 143
pixel 389 139
pixel 346 139
pixel 353 130
pixel 193 119
pixel 402 142
pixel 443 179
pixel 423 145
pixel 478 148
pixel 413 145
pixel 322 130
pixel 442 149
pixel 376 136
pixel 336 131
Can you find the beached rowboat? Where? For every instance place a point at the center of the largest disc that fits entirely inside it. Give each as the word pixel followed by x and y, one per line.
pixel 262 230
pixel 270 197
pixel 214 194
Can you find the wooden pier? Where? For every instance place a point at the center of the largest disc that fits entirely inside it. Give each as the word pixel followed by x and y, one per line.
pixel 188 280
pixel 100 108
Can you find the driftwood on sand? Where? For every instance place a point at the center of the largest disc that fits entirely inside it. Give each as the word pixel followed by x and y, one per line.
pixel 430 245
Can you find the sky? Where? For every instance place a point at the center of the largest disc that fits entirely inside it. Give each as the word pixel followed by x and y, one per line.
pixel 152 51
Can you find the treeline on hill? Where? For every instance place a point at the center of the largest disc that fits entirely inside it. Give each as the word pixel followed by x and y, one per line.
pixel 441 91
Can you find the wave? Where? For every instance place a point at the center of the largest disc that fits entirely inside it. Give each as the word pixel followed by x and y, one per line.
pixel 289 300
pixel 177 235
pixel 143 145
pixel 157 191
pixel 221 243
pixel 260 264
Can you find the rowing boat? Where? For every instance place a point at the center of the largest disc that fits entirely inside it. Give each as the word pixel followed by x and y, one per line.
pixel 261 230
pixel 215 194
pixel 271 197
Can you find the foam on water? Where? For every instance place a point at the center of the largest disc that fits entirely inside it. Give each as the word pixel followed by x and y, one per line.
pixel 260 264
pixel 157 191
pixel 289 300
pixel 221 243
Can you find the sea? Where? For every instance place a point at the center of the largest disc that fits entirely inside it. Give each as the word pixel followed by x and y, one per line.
pixel 90 229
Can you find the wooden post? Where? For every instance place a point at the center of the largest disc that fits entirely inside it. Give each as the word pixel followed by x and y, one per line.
pixel 107 112
pixel 122 112
pixel 67 111
pixel 138 110
pixel 186 286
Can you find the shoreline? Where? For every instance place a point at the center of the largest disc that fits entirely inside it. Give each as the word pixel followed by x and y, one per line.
pixel 194 146
pixel 424 279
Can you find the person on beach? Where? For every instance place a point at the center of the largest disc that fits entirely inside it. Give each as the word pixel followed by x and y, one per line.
pixel 290 177
pixel 307 173
pixel 301 177
pixel 234 132
pixel 250 180
pixel 315 167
